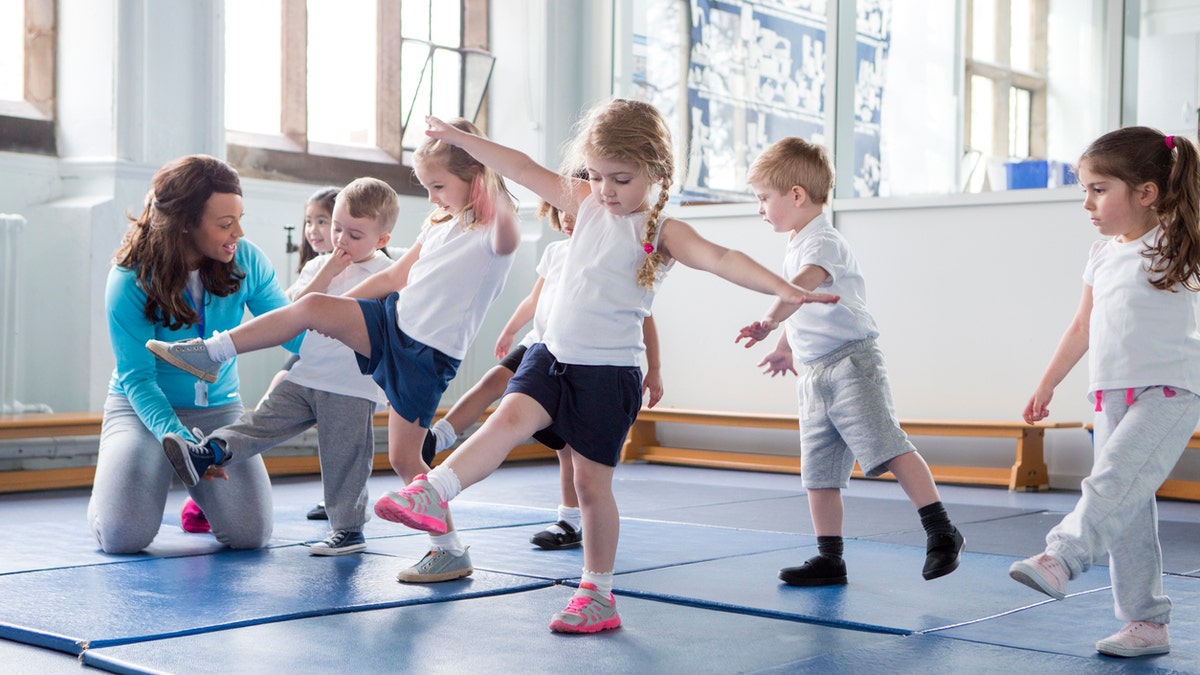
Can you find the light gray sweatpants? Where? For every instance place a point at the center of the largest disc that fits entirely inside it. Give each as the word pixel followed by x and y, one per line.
pixel 1136 446
pixel 345 442
pixel 133 477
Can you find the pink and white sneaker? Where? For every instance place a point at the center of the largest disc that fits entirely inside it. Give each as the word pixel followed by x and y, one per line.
pixel 1139 638
pixel 588 612
pixel 1043 572
pixel 418 506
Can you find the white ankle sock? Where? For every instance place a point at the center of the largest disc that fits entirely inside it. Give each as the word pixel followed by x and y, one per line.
pixel 572 516
pixel 220 347
pixel 444 433
pixel 444 482
pixel 447 542
pixel 602 581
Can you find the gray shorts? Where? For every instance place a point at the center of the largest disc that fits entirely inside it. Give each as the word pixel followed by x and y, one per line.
pixel 847 414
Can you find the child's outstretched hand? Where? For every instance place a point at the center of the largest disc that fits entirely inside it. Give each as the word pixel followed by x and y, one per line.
pixel 440 130
pixel 756 332
pixel 778 362
pixel 1038 407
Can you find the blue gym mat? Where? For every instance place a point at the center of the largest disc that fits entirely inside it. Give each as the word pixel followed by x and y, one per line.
pixel 498 634
pixel 886 592
pixel 644 544
pixel 26 546
pixel 1073 626
pixel 20 658
pixel 69 609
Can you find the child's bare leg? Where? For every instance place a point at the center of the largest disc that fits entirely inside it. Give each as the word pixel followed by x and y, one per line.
pixel 338 317
pixel 404 446
pixel 914 476
pixel 601 520
pixel 566 477
pixel 827 511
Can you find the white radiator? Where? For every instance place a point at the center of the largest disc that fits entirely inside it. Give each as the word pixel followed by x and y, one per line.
pixel 10 311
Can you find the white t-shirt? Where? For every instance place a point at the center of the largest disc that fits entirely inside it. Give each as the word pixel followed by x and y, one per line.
pixel 596 318
pixel 818 329
pixel 1139 336
pixel 549 268
pixel 326 364
pixel 451 286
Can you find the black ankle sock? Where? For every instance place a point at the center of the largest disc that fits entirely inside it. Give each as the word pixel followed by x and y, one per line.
pixel 934 519
pixel 830 547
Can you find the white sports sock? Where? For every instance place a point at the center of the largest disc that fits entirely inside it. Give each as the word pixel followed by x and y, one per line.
pixel 444 433
pixel 572 516
pixel 602 581
pixel 220 347
pixel 444 482
pixel 447 542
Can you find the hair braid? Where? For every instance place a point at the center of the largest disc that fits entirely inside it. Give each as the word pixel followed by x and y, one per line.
pixel 648 272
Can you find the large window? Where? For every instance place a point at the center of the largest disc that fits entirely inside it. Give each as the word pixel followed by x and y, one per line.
pixel 912 98
pixel 27 45
pixel 325 92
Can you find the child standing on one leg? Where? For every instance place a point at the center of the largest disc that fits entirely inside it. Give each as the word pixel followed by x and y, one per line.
pixel 319 388
pixel 1137 323
pixel 567 532
pixel 413 340
pixel 583 381
pixel 846 409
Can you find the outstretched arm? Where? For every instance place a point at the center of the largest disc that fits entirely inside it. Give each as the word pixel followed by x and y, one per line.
pixel 679 241
pixel 811 276
pixel 566 194
pixel 388 280
pixel 1071 348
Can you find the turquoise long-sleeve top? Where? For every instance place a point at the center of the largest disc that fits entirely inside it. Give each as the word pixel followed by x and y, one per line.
pixel 155 388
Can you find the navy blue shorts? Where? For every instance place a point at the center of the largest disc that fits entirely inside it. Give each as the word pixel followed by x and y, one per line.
pixel 513 359
pixel 412 374
pixel 546 436
pixel 592 407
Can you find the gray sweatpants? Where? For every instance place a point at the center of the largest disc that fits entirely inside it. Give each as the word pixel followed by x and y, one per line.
pixel 1136 446
pixel 133 477
pixel 345 441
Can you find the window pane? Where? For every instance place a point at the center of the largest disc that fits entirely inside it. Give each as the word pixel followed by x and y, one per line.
pixel 1021 49
pixel 414 20
pixel 447 82
pixel 341 71
pixel 983 30
pixel 12 50
pixel 1168 70
pixel 446 23
pixel 1019 113
pixel 253 61
pixel 983 103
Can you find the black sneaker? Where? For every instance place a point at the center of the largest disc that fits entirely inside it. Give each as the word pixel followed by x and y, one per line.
pixel 318 512
pixel 819 570
pixel 190 460
pixel 942 553
pixel 339 542
pixel 558 536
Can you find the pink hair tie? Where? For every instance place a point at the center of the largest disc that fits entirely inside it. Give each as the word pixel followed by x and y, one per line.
pixel 648 248
pixel 1170 142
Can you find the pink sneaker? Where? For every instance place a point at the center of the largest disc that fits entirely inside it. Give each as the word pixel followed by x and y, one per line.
pixel 1140 638
pixel 192 518
pixel 418 506
pixel 588 612
pixel 1043 572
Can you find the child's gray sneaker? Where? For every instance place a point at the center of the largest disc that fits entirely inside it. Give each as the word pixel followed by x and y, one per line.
pixel 190 460
pixel 339 542
pixel 438 565
pixel 188 355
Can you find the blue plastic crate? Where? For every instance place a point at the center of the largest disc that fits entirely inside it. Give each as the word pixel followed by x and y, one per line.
pixel 1033 173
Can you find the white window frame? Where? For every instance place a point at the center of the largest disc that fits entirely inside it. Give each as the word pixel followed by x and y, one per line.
pixel 28 125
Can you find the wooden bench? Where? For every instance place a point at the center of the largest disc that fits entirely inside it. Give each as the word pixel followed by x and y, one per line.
pixel 1028 471
pixel 53 425
pixel 1177 489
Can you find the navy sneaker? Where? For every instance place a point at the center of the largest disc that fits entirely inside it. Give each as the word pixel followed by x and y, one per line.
pixel 318 512
pixel 190 460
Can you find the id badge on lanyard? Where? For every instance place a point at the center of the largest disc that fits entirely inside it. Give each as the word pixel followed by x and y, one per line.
pixel 201 399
